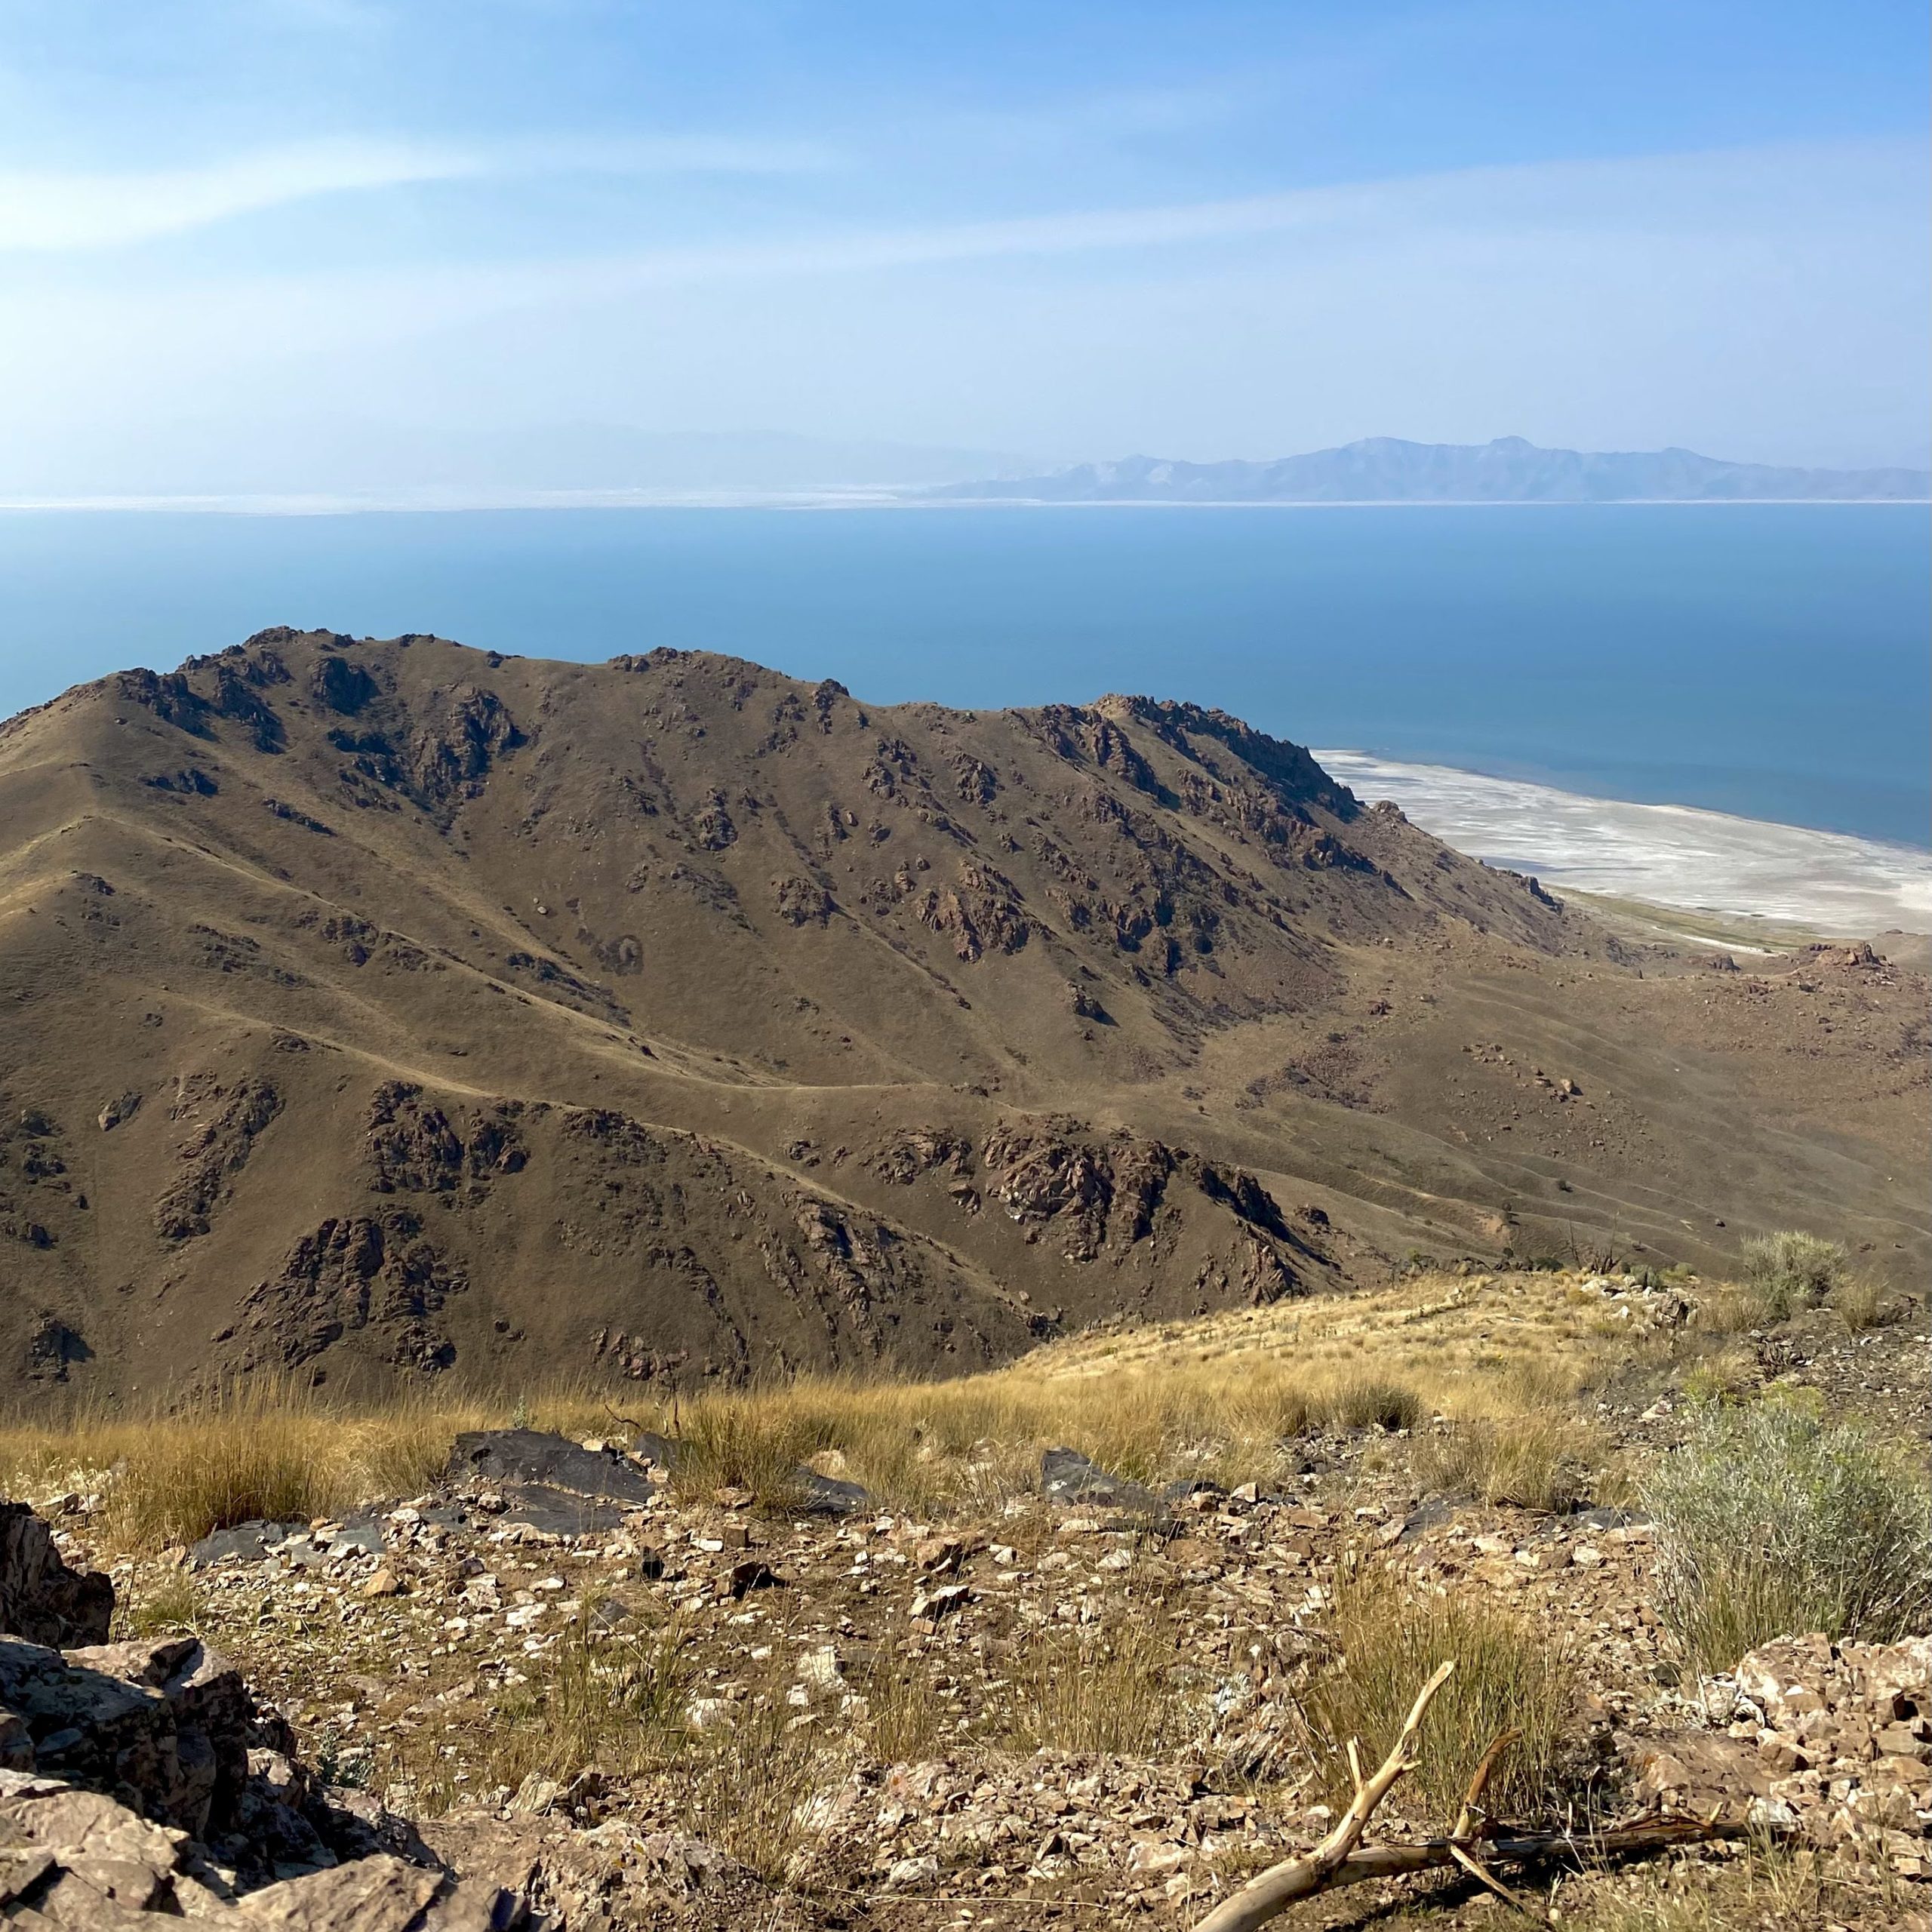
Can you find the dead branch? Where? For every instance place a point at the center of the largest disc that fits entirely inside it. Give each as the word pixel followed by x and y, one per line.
pixel 1341 1860
pixel 1483 1876
pixel 1402 1861
pixel 1472 1800
pixel 1260 1898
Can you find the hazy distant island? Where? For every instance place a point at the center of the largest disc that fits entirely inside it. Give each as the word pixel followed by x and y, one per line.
pixel 1386 469
pixel 304 462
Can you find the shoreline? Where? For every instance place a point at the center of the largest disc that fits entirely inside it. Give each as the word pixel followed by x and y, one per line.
pixel 1682 861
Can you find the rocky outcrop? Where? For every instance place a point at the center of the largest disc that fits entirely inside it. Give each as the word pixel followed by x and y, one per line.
pixel 77 1859
pixel 141 1778
pixel 1102 1194
pixel 40 1598
pixel 353 1276
pixel 1832 1742
pixel 223 1124
pixel 532 1456
pixel 414 1147
pixel 164 1728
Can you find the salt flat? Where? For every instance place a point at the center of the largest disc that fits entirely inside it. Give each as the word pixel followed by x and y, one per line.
pixel 1676 856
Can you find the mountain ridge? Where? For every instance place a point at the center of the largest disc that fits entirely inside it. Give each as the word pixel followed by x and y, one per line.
pixel 1378 469
pixel 380 1009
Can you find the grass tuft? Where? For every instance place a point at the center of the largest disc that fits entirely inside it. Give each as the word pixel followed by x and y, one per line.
pixel 752 1443
pixel 1862 1305
pixel 612 1700
pixel 1121 1684
pixel 1391 1635
pixel 1536 1462
pixel 1366 1402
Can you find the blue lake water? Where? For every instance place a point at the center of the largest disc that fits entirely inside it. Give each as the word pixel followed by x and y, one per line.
pixel 1766 659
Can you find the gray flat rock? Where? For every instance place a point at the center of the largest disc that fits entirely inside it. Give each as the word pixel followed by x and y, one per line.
pixel 559 1512
pixel 532 1456
pixel 831 1496
pixel 1067 1476
pixel 245 1542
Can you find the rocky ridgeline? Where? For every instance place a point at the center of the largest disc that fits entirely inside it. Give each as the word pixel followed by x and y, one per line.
pixel 141 1778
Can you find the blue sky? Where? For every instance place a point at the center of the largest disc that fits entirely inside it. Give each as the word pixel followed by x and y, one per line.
pixel 1059 228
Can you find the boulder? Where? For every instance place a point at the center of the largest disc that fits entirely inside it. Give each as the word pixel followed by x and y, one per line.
pixel 1832 1742
pixel 1067 1476
pixel 529 1456
pixel 139 1778
pixel 830 1496
pixel 558 1512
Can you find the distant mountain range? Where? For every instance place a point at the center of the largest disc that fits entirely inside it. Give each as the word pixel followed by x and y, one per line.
pixel 1385 469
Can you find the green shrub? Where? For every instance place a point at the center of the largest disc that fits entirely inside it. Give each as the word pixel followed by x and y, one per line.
pixel 1792 1270
pixel 1771 1522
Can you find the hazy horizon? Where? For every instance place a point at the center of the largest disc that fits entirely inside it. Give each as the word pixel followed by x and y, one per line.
pixel 1048 236
pixel 317 466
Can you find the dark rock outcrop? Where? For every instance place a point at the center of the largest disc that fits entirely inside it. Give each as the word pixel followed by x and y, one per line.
pixel 139 1778
pixel 41 1600
pixel 554 1462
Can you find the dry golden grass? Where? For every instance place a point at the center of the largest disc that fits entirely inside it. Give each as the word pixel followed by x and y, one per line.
pixel 1222 1397
pixel 612 1700
pixel 1391 1635
pixel 1765 1885
pixel 1550 1461
pixel 168 1606
pixel 1126 1683
pixel 747 1442
pixel 1726 1377
pixel 1738 1308
pixel 597 1700
pixel 904 1722
pixel 1862 1305
pixel 748 1785
pixel 263 1450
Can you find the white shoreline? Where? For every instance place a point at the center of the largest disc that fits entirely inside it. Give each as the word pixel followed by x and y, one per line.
pixel 1682 857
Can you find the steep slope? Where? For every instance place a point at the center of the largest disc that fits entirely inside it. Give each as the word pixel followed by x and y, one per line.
pixel 381 1009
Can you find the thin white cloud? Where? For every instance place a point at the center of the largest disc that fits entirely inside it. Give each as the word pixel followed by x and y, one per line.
pixel 1627 302
pixel 46 211
pixel 1692 192
pixel 49 211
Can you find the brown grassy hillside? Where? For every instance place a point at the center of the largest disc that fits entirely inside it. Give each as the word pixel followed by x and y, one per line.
pixel 374 1009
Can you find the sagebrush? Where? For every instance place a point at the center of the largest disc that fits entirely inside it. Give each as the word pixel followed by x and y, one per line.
pixel 1791 1269
pixel 1771 1521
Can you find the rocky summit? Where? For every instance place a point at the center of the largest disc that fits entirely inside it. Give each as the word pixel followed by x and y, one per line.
pixel 381 1012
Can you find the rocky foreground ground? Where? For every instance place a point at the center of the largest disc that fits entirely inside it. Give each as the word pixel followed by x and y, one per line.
pixel 564 1687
